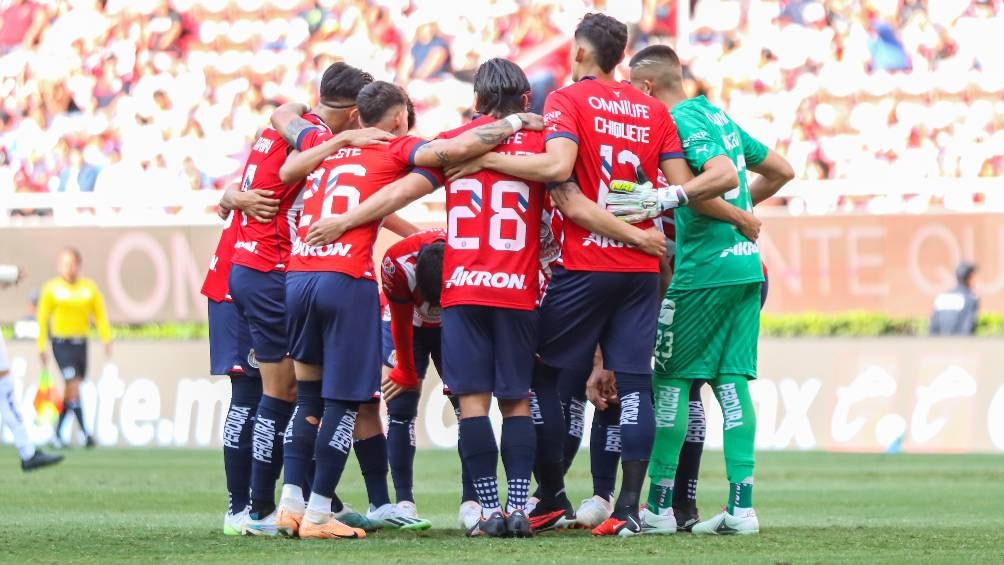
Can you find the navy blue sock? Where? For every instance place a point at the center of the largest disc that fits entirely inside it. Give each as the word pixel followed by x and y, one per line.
pixel 467 484
pixel 605 450
pixel 301 434
pixel 266 444
pixel 334 441
pixel 545 409
pixel 685 485
pixel 637 434
pixel 401 413
pixel 519 447
pixel 372 455
pixel 575 422
pixel 481 455
pixel 245 392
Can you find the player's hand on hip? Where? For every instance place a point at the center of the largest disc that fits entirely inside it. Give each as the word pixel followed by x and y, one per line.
pixel 601 389
pixel 259 204
pixel 456 171
pixel 750 226
pixel 531 121
pixel 325 231
pixel 652 242
pixel 366 136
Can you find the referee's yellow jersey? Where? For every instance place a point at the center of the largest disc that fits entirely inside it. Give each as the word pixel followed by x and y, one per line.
pixel 65 311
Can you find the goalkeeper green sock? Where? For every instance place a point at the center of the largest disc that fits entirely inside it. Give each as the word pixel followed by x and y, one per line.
pixel 733 395
pixel 672 411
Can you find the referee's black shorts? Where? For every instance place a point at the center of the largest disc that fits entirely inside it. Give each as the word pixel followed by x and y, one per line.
pixel 71 356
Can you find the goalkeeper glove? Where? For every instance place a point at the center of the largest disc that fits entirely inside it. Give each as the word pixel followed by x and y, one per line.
pixel 634 202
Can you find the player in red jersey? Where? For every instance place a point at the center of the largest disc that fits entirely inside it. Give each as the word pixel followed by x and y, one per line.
pixel 331 294
pixel 599 131
pixel 412 281
pixel 491 273
pixel 257 279
pixel 230 354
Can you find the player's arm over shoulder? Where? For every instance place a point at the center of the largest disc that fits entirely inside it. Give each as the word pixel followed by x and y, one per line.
pixel 442 152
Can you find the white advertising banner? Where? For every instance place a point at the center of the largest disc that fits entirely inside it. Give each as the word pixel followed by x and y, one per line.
pixel 909 394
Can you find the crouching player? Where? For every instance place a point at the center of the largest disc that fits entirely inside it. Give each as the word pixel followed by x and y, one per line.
pixel 412 284
pixel 332 303
pixel 491 271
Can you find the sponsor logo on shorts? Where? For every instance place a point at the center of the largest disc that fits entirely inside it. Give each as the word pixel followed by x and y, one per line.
pixel 302 249
pixel 253 359
pixel 732 409
pixel 741 249
pixel 463 277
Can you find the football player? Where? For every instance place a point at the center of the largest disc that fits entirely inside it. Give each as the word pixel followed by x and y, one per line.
pixel 332 297
pixel 709 320
pixel 491 271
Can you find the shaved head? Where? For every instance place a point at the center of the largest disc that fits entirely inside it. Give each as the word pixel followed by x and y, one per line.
pixel 658 65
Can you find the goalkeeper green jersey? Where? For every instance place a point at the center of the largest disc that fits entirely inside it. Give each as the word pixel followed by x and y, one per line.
pixel 709 252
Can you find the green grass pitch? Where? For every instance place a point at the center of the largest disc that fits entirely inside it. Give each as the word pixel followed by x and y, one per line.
pixel 167 505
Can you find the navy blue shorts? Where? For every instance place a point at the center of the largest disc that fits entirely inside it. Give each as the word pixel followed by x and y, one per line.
pixel 426 346
pixel 261 300
pixel 583 309
pixel 334 322
pixel 487 349
pixel 230 348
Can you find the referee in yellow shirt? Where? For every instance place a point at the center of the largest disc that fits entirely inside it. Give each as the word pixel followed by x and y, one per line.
pixel 65 308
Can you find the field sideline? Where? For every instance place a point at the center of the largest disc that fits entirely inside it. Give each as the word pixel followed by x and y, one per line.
pixel 167 505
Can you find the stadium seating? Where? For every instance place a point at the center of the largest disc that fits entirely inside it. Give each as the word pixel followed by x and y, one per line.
pixel 113 100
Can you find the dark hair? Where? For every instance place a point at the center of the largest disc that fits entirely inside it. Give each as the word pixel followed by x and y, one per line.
pixel 376 99
pixel 500 85
pixel 75 252
pixel 343 82
pixel 656 53
pixel 429 272
pixel 607 36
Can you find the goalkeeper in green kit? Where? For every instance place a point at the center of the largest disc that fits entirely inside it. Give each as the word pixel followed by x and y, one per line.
pixel 709 321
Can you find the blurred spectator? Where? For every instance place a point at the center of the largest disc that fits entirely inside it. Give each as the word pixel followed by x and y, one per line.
pixel 845 88
pixel 956 311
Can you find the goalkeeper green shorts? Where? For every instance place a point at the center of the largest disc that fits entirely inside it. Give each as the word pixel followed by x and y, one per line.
pixel 706 332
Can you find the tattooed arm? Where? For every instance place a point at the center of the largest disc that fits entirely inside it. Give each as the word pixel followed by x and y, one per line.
pixel 585 213
pixel 554 165
pixel 288 121
pixel 441 153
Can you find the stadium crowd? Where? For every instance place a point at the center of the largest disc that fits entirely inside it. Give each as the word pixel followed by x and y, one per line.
pixel 110 95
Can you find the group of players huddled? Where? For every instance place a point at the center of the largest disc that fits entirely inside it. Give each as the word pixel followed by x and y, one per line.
pixel 542 291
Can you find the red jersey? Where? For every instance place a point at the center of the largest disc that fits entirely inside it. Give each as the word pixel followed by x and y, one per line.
pixel 339 184
pixel 216 287
pixel 265 246
pixel 398 276
pixel 492 255
pixel 617 127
